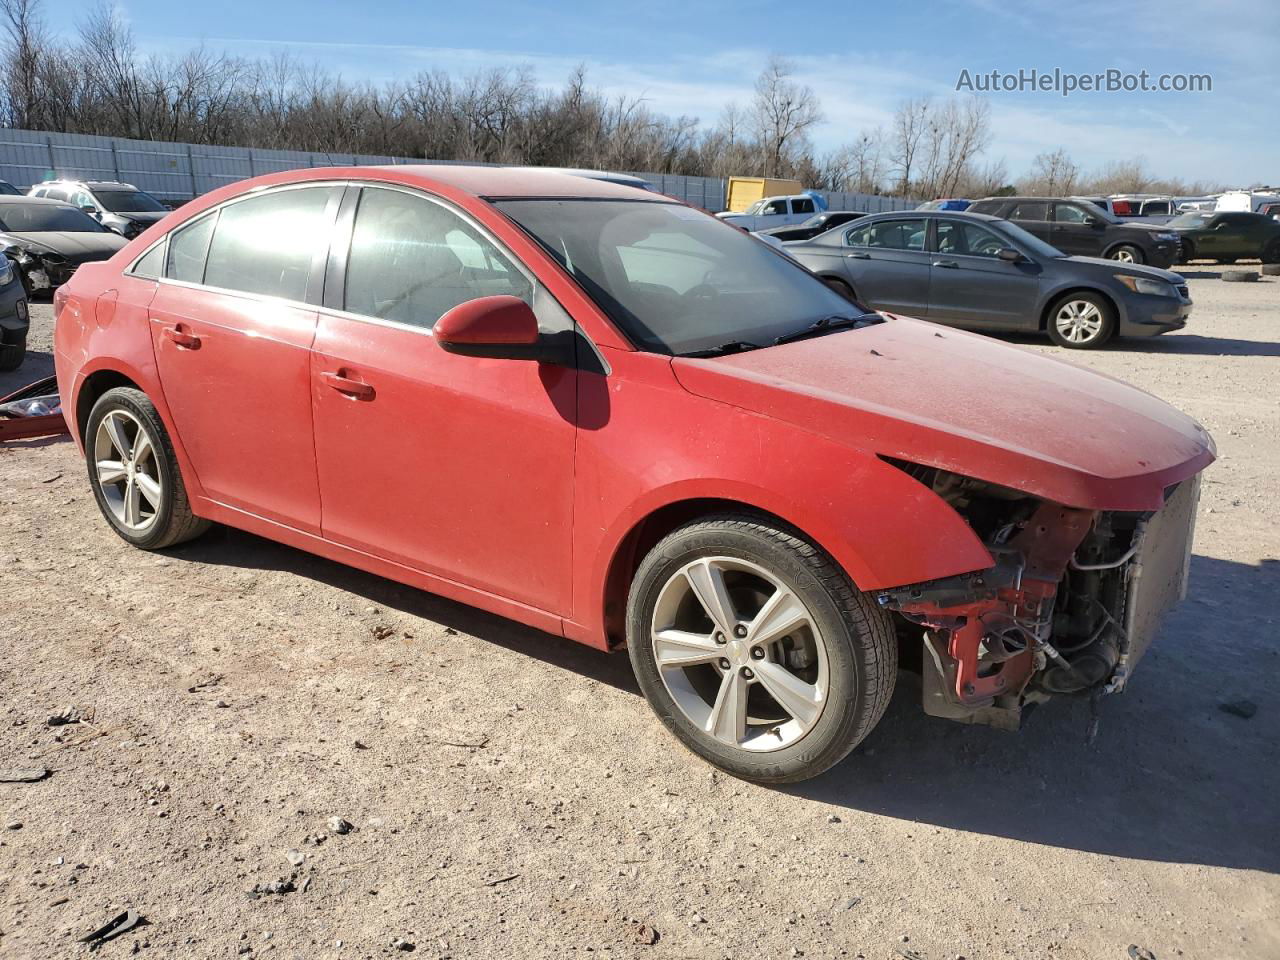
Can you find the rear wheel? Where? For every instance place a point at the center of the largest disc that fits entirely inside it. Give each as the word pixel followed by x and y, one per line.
pixel 1127 253
pixel 1081 321
pixel 756 650
pixel 134 473
pixel 1271 253
pixel 840 287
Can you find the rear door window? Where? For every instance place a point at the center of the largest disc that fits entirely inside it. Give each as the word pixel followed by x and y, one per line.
pixel 1029 210
pixel 265 244
pixel 889 234
pixel 802 205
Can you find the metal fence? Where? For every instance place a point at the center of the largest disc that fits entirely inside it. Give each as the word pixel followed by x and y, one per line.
pixel 177 172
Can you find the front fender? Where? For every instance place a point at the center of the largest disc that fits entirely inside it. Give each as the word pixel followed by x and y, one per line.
pixel 882 527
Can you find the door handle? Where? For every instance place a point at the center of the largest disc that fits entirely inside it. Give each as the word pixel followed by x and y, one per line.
pixel 948 264
pixel 182 338
pixel 352 388
pixel 858 256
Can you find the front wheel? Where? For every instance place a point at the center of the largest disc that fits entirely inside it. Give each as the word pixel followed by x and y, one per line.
pixel 756 650
pixel 1127 253
pixel 1081 321
pixel 134 473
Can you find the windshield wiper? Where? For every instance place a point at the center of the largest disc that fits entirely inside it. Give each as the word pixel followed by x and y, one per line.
pixel 733 346
pixel 827 325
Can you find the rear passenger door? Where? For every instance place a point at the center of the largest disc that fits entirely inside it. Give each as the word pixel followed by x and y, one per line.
pixel 1033 217
pixel 232 321
pixel 888 265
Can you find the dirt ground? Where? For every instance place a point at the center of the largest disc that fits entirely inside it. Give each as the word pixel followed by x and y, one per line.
pixel 511 795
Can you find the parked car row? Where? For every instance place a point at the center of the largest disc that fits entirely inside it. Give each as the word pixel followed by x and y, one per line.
pixel 985 273
pixel 632 426
pixel 120 207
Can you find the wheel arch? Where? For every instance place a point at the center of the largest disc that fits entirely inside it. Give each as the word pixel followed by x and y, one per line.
pixel 646 532
pixel 855 549
pixel 1057 296
pixel 93 387
pixel 1126 242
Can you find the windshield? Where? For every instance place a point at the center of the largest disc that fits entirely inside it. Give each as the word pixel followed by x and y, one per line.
pixel 129 201
pixel 675 280
pixel 42 217
pixel 1030 241
pixel 817 220
pixel 754 208
pixel 1190 220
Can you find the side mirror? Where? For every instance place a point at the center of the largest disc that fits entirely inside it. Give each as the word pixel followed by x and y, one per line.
pixel 501 327
pixel 1009 255
pixel 1093 222
pixel 90 209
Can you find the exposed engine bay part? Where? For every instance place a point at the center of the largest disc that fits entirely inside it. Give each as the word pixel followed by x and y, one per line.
pixel 1071 603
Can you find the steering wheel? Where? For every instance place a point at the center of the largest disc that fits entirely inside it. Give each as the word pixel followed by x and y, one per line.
pixel 702 291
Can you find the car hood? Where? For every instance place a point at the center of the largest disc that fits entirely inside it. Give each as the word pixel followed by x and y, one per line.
pixel 77 247
pixel 144 216
pixel 1144 227
pixel 1113 268
pixel 965 403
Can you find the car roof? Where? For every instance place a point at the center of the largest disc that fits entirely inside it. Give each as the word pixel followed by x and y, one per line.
pixel 47 201
pixel 1046 199
pixel 924 214
pixel 86 183
pixel 509 182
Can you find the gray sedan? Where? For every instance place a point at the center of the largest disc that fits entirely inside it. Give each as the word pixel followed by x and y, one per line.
pixel 978 272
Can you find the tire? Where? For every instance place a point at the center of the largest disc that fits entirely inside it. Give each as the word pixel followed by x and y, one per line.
pixel 1127 253
pixel 1271 269
pixel 1081 321
pixel 1187 252
pixel 1239 276
pixel 842 655
pixel 840 287
pixel 1271 255
pixel 1227 261
pixel 12 354
pixel 125 500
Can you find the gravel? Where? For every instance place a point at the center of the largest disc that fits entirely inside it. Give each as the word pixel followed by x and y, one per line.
pixel 980 843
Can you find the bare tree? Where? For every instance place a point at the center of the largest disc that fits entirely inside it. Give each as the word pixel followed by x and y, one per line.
pixel 1052 175
pixel 784 111
pixel 25 46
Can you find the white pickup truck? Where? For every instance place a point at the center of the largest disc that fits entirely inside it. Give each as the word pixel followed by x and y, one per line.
pixel 774 212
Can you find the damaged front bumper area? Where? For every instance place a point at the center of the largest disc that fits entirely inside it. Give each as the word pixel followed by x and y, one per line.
pixel 1072 603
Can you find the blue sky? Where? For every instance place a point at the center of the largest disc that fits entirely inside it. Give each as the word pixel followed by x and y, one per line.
pixel 862 58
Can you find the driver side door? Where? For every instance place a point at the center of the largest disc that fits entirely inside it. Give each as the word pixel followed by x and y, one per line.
pixel 460 467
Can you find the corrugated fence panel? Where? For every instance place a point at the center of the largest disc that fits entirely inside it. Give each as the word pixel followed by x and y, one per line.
pixel 176 172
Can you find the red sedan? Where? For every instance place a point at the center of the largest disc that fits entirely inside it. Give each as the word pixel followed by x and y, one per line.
pixel 605 414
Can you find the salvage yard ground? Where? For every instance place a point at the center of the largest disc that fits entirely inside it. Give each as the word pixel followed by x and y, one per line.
pixel 512 796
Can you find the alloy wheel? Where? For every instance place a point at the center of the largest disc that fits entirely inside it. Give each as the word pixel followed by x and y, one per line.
pixel 740 653
pixel 1078 321
pixel 127 470
pixel 1124 255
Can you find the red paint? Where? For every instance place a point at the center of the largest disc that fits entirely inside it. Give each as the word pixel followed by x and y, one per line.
pixel 514 485
pixel 496 320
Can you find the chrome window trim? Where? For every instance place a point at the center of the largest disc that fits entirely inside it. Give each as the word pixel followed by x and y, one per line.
pixel 319 308
pixel 217 211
